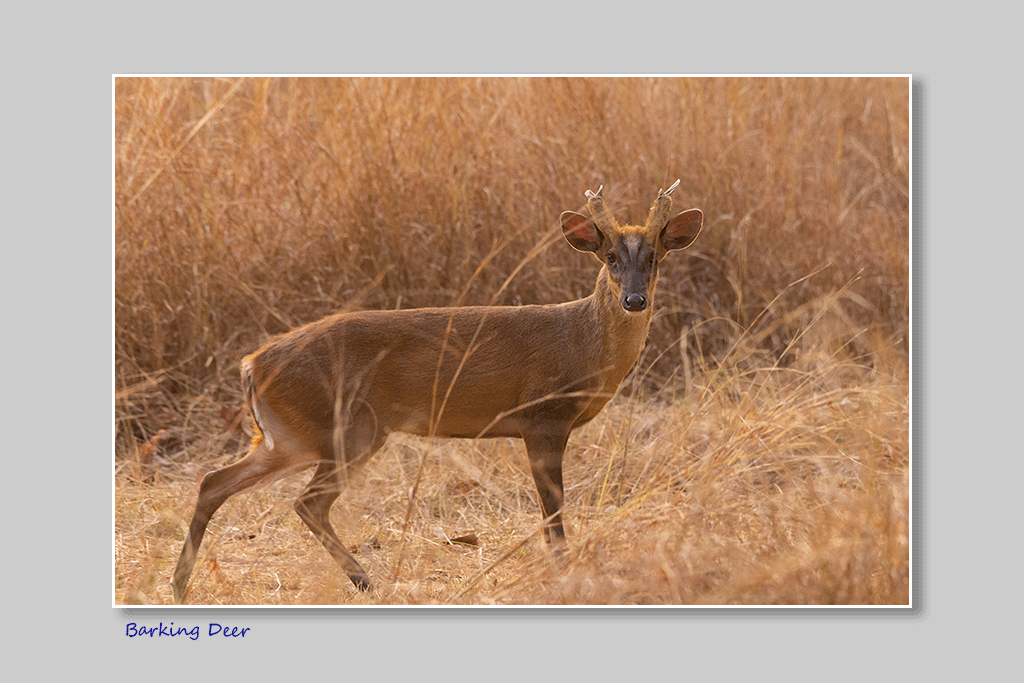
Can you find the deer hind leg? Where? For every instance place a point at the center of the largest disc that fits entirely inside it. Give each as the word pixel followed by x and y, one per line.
pixel 545 449
pixel 262 465
pixel 314 504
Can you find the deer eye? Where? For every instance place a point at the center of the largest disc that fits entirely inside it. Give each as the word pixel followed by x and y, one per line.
pixel 610 259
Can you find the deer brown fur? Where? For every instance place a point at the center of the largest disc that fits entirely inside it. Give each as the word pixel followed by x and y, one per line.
pixel 329 393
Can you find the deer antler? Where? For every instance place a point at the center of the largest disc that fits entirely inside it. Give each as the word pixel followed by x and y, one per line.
pixel 658 216
pixel 604 219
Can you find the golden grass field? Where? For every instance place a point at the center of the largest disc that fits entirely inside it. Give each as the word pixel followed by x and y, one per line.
pixel 759 453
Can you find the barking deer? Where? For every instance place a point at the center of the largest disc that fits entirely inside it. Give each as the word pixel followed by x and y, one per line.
pixel 329 393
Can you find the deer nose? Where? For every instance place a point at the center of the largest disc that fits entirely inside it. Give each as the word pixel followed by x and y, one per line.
pixel 635 303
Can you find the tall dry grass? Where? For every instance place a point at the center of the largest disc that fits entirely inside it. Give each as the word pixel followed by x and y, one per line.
pixel 760 453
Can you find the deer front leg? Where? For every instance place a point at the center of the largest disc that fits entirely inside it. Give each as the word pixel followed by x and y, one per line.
pixel 545 448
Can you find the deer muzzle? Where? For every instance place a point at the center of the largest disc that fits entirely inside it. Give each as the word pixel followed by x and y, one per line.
pixel 634 303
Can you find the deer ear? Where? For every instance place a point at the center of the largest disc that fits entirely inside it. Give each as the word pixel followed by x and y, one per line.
pixel 581 232
pixel 681 231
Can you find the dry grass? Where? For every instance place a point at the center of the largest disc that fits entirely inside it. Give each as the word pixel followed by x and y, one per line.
pixel 760 454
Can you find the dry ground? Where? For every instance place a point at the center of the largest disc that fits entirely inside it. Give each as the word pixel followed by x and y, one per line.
pixel 764 490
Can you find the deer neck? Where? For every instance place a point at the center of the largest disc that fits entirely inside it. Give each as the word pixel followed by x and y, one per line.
pixel 622 334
